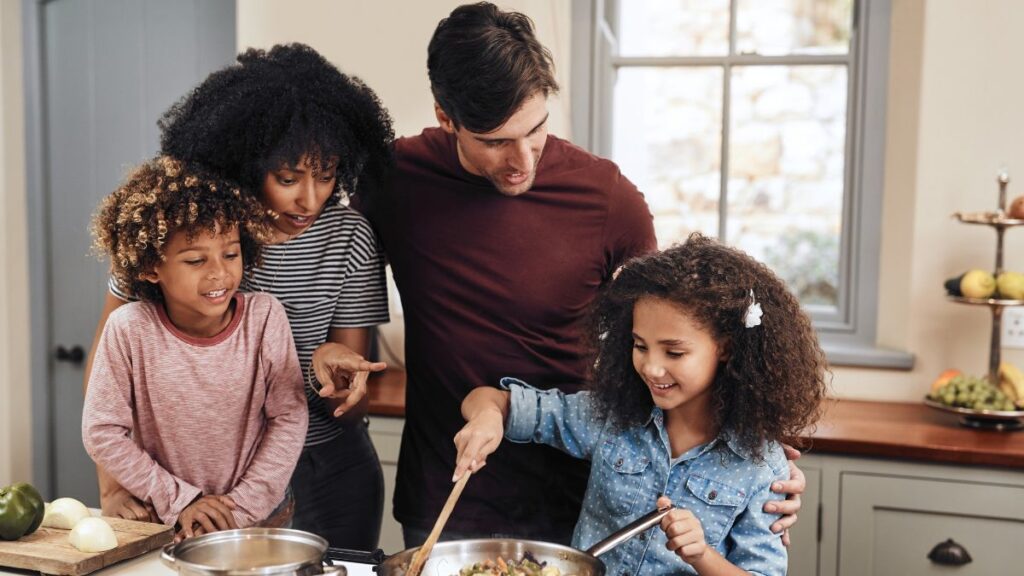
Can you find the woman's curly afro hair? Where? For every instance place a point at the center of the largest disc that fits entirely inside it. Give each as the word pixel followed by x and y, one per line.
pixel 771 385
pixel 163 197
pixel 273 108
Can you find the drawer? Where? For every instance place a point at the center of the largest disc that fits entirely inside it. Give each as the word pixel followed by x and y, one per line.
pixel 889 524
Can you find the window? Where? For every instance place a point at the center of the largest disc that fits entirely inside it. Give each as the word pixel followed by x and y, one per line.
pixel 760 122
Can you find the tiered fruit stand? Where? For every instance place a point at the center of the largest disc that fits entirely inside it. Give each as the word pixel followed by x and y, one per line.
pixel 991 419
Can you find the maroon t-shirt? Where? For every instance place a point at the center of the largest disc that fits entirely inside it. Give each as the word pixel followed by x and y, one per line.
pixel 496 286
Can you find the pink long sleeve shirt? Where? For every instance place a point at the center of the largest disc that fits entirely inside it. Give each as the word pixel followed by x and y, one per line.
pixel 172 417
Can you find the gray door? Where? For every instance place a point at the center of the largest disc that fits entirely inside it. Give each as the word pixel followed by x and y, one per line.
pixel 109 69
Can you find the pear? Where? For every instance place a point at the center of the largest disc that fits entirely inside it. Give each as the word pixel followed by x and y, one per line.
pixel 978 284
pixel 1011 285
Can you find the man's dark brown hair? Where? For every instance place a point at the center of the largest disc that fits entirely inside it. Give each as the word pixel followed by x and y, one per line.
pixel 484 63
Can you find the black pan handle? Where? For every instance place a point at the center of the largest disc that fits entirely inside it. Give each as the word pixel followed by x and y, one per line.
pixel 632 529
pixel 357 556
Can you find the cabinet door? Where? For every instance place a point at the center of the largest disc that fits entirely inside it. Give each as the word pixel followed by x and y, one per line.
pixel 889 524
pixel 386 434
pixel 803 550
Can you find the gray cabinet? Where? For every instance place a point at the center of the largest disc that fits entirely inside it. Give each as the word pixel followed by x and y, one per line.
pixel 386 434
pixel 882 517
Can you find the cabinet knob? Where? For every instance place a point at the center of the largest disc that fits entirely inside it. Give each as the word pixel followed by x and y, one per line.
pixel 75 355
pixel 949 553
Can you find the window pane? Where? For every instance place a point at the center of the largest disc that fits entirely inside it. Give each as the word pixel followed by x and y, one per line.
pixel 667 140
pixel 776 27
pixel 786 172
pixel 673 27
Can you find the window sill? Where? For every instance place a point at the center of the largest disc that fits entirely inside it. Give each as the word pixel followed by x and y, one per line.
pixel 863 356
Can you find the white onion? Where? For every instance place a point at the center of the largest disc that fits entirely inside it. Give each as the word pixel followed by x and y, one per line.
pixel 93 535
pixel 64 513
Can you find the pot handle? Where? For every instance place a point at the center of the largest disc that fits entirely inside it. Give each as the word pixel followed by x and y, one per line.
pixel 167 555
pixel 632 529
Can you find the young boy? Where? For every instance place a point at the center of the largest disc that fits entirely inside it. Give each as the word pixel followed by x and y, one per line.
pixel 196 401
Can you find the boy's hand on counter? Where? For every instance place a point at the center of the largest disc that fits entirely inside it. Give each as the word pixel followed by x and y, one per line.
pixel 206 514
pixel 120 503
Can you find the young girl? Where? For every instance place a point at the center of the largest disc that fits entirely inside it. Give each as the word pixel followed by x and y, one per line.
pixel 297 134
pixel 195 402
pixel 703 363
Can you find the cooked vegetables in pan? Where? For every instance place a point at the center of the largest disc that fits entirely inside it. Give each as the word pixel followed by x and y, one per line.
pixel 527 566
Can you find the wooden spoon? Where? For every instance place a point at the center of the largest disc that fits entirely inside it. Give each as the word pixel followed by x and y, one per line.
pixel 420 558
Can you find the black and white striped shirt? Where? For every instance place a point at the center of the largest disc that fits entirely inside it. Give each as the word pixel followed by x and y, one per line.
pixel 330 276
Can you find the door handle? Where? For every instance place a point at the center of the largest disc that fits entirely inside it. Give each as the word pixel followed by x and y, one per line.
pixel 75 355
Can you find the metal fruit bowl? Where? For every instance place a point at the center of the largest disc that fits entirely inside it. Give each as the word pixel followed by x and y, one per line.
pixel 988 419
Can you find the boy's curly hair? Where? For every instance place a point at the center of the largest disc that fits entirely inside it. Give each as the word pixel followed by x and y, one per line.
pixel 774 380
pixel 272 108
pixel 162 197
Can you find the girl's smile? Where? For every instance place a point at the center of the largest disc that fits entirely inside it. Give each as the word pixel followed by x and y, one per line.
pixel 674 355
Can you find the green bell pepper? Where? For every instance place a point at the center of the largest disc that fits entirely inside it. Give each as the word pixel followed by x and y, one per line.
pixel 21 511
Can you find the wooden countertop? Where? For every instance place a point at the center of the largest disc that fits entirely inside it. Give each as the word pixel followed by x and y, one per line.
pixel 910 431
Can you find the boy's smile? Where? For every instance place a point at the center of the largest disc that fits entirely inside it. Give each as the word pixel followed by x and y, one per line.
pixel 198 279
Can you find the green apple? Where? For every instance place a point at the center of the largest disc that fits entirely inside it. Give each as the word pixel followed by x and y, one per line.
pixel 978 284
pixel 1011 285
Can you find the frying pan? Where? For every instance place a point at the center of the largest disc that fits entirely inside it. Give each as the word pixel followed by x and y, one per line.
pixel 447 558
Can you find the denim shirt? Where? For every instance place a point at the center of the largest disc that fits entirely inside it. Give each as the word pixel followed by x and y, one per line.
pixel 720 483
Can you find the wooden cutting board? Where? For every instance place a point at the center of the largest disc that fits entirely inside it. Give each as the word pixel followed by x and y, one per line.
pixel 47 550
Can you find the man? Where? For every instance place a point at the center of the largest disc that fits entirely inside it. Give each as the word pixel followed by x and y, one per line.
pixel 499 236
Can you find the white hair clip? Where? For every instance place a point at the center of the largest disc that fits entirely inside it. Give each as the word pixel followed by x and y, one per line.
pixel 752 317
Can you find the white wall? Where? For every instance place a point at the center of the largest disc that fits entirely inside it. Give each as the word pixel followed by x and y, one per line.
pixel 955 116
pixel 384 42
pixel 15 397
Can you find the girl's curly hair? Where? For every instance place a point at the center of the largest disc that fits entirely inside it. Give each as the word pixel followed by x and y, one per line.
pixel 162 197
pixel 773 382
pixel 274 107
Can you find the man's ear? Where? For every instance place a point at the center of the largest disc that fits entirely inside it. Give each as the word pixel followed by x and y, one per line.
pixel 447 124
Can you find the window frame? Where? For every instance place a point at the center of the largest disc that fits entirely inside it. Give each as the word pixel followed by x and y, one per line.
pixel 848 332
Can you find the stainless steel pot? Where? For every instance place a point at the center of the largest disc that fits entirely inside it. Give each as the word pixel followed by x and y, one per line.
pixel 250 552
pixel 447 558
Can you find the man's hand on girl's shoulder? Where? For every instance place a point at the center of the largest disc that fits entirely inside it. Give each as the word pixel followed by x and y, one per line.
pixel 792 488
